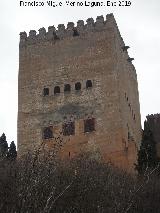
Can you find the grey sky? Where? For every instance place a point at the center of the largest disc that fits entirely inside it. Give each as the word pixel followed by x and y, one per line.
pixel 139 25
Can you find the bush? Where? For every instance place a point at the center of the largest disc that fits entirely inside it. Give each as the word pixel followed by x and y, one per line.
pixel 81 185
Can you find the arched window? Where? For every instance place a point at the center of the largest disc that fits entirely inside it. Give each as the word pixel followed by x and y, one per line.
pixel 69 128
pixel 67 88
pixel 88 84
pixel 46 91
pixel 78 86
pixel 89 125
pixel 56 90
pixel 48 132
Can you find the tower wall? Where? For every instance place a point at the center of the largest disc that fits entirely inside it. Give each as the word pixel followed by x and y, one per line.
pixel 92 51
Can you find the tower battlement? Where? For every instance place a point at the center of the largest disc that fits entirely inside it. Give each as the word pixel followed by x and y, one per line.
pixel 71 30
pixel 154 118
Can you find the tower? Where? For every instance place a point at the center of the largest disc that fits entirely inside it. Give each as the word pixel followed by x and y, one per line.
pixel 152 123
pixel 80 83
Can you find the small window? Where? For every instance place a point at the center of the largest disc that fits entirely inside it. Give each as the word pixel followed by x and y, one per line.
pixel 89 125
pixel 88 84
pixel 68 128
pixel 129 106
pixel 134 117
pixel 75 32
pixel 128 135
pixel 78 86
pixel 56 90
pixel 46 91
pixel 48 132
pixel 67 88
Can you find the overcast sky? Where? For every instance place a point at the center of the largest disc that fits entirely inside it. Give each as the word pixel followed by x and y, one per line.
pixel 139 25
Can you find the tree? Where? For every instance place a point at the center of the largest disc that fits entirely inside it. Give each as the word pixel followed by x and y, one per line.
pixel 12 153
pixel 147 155
pixel 3 146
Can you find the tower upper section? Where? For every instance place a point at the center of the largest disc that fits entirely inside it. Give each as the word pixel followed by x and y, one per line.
pixel 71 30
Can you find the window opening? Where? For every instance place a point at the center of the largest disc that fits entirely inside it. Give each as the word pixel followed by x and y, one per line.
pixel 67 88
pixel 88 84
pixel 75 32
pixel 89 125
pixel 56 90
pixel 134 117
pixel 78 86
pixel 68 128
pixel 48 132
pixel 46 91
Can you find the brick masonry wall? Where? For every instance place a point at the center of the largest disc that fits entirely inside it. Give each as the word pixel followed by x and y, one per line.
pixel 57 58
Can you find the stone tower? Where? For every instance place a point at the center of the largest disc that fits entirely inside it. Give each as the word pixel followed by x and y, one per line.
pixel 152 123
pixel 79 83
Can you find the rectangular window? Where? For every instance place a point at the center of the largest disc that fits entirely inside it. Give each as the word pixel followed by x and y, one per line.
pixel 89 125
pixel 68 128
pixel 46 91
pixel 48 132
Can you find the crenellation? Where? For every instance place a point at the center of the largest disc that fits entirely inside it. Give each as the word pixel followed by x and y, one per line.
pixel 100 19
pixel 23 35
pixel 153 116
pixel 61 31
pixel 80 26
pixel 70 28
pixel 42 33
pixel 51 29
pixel 90 24
pixel 51 32
pixel 32 34
pixel 99 25
pixel 70 25
pixel 109 17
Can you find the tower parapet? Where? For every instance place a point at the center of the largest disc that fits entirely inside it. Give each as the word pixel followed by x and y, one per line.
pixel 154 119
pixel 63 32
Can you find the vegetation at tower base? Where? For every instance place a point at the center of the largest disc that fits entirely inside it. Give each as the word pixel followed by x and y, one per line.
pixel 12 153
pixel 3 146
pixel 42 183
pixel 147 155
pixel 5 151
